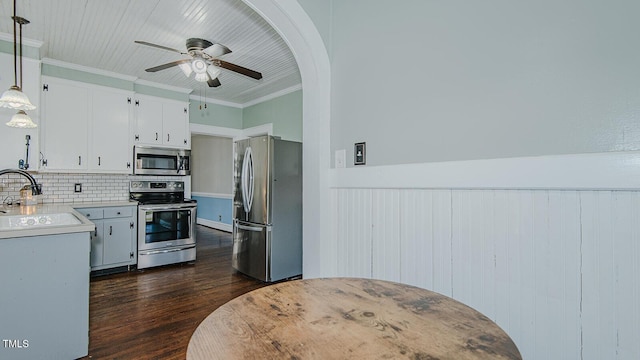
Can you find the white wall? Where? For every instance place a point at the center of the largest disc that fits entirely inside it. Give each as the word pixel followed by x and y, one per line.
pixel 551 257
pixel 424 81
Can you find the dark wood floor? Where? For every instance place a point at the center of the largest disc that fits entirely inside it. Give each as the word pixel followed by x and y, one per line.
pixel 151 313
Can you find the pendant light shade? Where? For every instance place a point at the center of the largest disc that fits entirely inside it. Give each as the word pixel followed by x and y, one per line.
pixel 21 120
pixel 15 99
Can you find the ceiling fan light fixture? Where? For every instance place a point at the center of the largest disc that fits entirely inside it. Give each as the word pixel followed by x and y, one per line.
pixel 213 71
pixel 15 99
pixel 186 69
pixel 199 66
pixel 202 77
pixel 21 120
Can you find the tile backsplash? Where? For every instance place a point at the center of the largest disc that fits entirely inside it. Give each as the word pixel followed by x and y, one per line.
pixel 60 187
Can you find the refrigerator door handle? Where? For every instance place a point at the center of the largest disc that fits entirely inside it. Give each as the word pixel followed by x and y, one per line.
pixel 243 181
pixel 249 228
pixel 250 167
pixel 247 180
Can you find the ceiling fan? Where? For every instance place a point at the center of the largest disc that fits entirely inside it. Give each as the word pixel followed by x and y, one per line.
pixel 204 61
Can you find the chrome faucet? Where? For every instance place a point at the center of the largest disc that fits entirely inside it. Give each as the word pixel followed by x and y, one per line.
pixel 35 187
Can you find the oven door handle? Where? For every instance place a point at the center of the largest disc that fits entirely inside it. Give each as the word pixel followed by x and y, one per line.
pixel 169 207
pixel 153 252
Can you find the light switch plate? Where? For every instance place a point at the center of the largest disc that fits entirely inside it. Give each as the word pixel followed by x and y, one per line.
pixel 341 159
pixel 360 153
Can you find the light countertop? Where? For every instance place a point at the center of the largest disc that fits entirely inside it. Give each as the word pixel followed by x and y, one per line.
pixel 85 224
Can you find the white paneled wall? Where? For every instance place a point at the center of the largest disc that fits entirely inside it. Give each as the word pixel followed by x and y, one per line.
pixel 558 270
pixel 425 230
pixel 353 232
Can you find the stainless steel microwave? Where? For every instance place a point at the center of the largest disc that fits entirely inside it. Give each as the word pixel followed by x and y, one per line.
pixel 161 161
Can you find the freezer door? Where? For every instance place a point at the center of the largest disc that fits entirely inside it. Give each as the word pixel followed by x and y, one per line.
pixel 251 250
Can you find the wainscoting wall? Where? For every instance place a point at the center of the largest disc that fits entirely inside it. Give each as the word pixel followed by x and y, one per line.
pixel 215 210
pixel 558 270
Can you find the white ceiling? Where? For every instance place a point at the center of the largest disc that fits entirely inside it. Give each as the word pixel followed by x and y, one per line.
pixel 100 34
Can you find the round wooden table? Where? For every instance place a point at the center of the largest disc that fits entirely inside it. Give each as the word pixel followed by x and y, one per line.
pixel 347 318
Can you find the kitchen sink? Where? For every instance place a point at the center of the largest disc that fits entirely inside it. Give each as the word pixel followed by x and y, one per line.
pixel 17 222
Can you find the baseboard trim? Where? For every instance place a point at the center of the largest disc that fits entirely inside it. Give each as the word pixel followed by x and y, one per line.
pixel 215 224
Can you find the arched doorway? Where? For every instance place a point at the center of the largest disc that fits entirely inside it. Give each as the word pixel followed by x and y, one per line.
pixel 292 23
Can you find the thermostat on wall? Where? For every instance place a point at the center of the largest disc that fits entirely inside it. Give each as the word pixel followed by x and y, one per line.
pixel 359 154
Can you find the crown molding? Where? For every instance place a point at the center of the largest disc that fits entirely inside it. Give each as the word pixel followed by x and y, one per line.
pixel 273 95
pixel 215 101
pixel 249 103
pixel 28 42
pixel 87 69
pixel 162 86
pixel 115 75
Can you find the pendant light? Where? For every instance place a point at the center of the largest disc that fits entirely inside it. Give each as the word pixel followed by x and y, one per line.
pixel 21 120
pixel 14 98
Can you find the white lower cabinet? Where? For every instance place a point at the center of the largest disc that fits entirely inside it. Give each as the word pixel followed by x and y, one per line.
pixel 114 240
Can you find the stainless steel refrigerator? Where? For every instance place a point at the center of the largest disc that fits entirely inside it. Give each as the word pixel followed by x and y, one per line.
pixel 267 208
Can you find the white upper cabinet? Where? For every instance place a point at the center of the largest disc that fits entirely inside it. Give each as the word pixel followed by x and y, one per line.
pixel 110 149
pixel 65 115
pixel 148 120
pixel 175 123
pixel 161 122
pixel 85 127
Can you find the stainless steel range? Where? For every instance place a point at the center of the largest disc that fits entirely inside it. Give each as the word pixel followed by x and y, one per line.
pixel 166 223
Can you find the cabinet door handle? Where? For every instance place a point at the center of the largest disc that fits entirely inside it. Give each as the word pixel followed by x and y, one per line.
pixel 167 137
pixel 98 160
pixel 79 160
pixel 110 229
pixel 156 136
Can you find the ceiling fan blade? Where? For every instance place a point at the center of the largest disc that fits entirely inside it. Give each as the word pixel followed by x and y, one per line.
pixel 159 46
pixel 167 65
pixel 216 50
pixel 213 82
pixel 237 68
